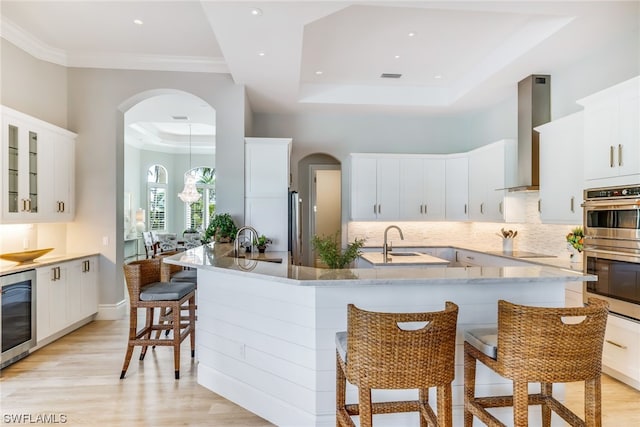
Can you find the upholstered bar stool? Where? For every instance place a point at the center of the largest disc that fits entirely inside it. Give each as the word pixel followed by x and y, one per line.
pixel 378 351
pixel 148 292
pixel 538 345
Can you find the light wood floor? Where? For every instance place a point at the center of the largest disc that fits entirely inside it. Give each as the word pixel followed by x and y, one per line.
pixel 78 377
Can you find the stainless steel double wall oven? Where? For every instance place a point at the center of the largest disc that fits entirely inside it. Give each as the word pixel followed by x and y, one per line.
pixel 612 247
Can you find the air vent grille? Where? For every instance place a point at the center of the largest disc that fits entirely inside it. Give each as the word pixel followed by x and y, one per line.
pixel 180 117
pixel 390 75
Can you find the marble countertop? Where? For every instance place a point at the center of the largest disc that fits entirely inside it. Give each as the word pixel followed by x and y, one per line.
pixel 403 259
pixel 216 256
pixel 8 267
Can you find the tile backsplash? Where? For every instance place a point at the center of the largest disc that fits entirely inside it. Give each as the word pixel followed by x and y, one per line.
pixel 533 236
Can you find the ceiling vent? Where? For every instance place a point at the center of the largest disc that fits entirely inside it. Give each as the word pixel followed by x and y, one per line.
pixel 180 117
pixel 390 75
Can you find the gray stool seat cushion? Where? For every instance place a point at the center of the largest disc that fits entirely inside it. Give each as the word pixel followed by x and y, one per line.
pixel 341 345
pixel 484 339
pixel 185 276
pixel 162 291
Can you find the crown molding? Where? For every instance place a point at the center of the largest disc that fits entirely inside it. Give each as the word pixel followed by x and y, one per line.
pixel 36 48
pixel 30 44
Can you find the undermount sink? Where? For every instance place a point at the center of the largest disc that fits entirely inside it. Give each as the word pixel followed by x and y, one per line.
pixel 404 254
pixel 274 260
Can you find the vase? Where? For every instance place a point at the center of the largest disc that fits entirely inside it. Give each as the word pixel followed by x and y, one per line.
pixel 575 256
pixel 507 246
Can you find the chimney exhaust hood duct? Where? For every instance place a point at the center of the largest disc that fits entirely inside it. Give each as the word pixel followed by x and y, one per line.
pixel 534 109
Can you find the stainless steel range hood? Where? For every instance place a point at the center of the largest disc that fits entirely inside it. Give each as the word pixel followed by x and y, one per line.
pixel 534 109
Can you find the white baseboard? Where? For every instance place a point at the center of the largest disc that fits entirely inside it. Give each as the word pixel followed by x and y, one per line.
pixel 115 311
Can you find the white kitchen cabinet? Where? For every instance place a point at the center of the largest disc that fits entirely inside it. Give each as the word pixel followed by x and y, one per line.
pixel 611 133
pixel 37 180
pixel 267 167
pixel 457 188
pixel 267 188
pixel 422 188
pixel 561 170
pixel 621 352
pixel 492 168
pixel 375 187
pixel 52 305
pixel 66 294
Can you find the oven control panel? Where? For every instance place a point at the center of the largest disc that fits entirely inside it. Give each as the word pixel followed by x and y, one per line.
pixel 612 193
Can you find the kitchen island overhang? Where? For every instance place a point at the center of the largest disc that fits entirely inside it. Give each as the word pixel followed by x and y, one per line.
pixel 265 332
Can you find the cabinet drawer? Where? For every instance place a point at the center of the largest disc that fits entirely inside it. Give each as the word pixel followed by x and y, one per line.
pixel 621 347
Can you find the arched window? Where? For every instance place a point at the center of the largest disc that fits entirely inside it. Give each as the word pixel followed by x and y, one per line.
pixel 157 197
pixel 197 214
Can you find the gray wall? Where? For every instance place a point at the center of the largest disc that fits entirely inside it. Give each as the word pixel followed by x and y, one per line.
pixel 32 86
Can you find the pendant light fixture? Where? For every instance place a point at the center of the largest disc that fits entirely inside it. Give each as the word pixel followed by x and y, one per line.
pixel 189 193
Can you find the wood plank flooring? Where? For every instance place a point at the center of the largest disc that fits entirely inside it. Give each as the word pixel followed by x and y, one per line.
pixel 77 377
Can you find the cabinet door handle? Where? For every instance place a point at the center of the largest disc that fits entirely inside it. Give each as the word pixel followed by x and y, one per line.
pixel 482 208
pixel 465 208
pixel 539 205
pixel 619 154
pixel 29 205
pixel 379 209
pixel 420 208
pixel 500 207
pixel 573 204
pixel 374 208
pixel 624 347
pixel 425 209
pixel 63 207
pixel 611 156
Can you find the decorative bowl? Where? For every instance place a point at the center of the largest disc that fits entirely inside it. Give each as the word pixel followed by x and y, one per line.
pixel 25 256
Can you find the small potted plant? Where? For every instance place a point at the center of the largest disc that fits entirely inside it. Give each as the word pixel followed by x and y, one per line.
pixel 261 243
pixel 331 253
pixel 575 243
pixel 221 228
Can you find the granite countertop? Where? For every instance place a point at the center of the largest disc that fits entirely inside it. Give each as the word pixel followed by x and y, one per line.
pixel 8 267
pixel 216 257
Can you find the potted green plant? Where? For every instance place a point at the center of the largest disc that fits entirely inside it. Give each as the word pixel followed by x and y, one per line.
pixel 330 252
pixel 261 243
pixel 221 229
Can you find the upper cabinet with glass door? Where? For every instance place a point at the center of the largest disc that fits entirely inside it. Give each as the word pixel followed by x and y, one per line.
pixel 37 179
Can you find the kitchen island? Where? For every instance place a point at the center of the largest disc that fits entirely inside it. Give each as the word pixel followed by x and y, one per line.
pixel 265 331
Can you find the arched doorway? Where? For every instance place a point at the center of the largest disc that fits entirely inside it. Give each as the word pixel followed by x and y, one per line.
pixel 175 130
pixel 319 183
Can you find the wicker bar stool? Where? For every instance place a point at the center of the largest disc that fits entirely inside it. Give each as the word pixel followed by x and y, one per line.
pixel 148 292
pixel 535 345
pixel 378 352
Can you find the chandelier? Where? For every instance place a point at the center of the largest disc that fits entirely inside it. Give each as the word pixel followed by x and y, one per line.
pixel 189 193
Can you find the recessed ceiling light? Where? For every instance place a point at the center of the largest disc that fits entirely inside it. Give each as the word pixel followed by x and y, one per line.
pixel 397 56
pixel 138 21
pixel 261 53
pixel 437 76
pixel 319 72
pixel 256 12
pixel 411 34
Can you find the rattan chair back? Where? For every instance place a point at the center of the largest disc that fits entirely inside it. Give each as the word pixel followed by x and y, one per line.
pixel 140 273
pixel 539 344
pixel 383 353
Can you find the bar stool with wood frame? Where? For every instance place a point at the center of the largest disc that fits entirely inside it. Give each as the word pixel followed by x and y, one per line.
pixel 378 351
pixel 538 345
pixel 148 292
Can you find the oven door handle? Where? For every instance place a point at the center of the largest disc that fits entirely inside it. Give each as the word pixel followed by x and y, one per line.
pixel 611 204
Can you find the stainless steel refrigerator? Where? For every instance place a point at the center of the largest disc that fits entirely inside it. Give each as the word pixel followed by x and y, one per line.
pixel 295 227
